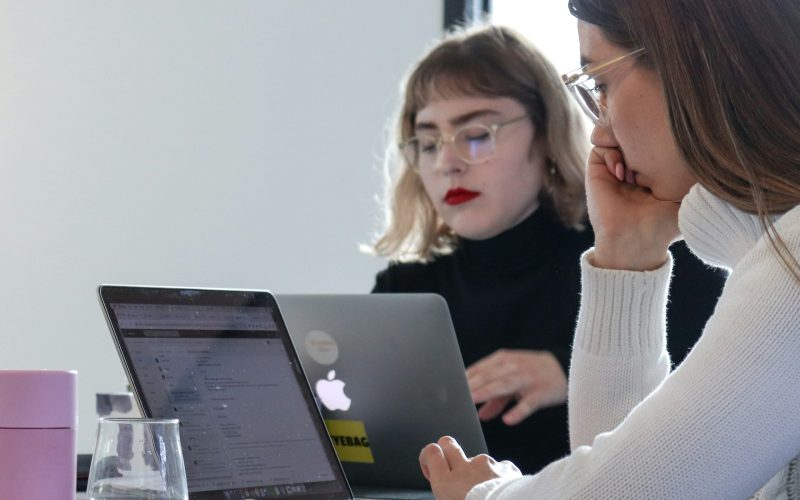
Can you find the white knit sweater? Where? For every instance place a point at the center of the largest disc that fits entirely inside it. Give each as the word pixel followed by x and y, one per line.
pixel 720 425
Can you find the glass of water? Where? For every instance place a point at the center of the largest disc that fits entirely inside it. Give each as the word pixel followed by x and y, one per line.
pixel 137 458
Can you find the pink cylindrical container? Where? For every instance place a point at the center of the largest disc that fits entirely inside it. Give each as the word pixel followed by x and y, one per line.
pixel 38 423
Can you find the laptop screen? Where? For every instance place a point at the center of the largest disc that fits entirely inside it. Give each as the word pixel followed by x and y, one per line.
pixel 221 362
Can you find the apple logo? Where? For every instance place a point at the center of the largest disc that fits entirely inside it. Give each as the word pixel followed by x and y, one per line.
pixel 331 392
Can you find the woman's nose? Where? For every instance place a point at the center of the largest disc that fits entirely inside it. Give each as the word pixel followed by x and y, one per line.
pixel 449 161
pixel 603 136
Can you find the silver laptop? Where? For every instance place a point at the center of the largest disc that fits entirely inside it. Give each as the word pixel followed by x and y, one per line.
pixel 222 362
pixel 389 378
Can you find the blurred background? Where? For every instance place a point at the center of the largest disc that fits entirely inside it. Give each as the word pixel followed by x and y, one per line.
pixel 198 143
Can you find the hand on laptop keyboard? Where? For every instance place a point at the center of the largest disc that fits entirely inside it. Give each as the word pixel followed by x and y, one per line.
pixel 452 474
pixel 534 379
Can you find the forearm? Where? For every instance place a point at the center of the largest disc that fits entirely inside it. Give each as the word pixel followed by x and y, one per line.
pixel 719 426
pixel 619 355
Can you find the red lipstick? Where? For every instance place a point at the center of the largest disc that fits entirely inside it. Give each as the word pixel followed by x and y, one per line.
pixel 458 196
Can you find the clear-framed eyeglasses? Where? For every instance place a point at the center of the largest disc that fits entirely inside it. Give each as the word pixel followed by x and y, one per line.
pixel 474 143
pixel 589 94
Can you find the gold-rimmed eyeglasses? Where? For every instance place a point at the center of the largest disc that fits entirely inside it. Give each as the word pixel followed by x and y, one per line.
pixel 591 95
pixel 473 143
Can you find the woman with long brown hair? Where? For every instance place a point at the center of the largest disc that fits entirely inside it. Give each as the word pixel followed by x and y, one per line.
pixel 696 106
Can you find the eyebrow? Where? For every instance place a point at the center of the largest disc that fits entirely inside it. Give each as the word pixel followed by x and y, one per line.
pixel 458 120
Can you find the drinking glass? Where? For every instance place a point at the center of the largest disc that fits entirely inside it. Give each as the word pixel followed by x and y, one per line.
pixel 137 458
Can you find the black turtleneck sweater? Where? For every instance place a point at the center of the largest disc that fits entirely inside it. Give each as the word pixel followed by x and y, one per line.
pixel 521 290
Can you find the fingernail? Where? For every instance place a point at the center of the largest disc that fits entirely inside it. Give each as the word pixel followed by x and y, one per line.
pixel 629 176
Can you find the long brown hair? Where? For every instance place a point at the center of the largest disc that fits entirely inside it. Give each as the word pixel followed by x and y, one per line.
pixel 731 77
pixel 487 61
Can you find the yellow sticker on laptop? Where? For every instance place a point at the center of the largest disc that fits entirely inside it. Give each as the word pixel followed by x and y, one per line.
pixel 350 441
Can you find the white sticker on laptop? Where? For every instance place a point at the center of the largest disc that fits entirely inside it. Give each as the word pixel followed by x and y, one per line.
pixel 321 347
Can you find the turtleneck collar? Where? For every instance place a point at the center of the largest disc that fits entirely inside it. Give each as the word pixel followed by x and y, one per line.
pixel 523 244
pixel 716 231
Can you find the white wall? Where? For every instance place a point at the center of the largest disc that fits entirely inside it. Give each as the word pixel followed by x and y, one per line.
pixel 187 142
pixel 548 24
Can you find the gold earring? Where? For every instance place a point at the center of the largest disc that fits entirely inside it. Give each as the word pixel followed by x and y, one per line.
pixel 551 167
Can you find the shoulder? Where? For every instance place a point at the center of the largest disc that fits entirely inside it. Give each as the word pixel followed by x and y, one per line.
pixel 790 224
pixel 762 271
pixel 787 229
pixel 399 277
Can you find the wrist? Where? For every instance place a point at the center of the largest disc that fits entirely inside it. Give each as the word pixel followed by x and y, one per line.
pixel 628 256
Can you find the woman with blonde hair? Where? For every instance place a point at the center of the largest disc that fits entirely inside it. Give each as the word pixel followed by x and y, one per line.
pixel 488 209
pixel 697 111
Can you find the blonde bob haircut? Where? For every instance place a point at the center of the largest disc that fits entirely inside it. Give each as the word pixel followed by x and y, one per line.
pixel 485 61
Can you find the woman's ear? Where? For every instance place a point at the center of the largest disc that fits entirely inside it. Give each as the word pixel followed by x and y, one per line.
pixel 552 174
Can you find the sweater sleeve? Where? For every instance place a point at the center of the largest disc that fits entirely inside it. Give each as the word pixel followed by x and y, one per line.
pixel 719 426
pixel 619 355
